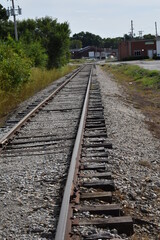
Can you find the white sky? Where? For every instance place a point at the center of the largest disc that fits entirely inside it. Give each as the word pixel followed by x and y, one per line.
pixel 107 18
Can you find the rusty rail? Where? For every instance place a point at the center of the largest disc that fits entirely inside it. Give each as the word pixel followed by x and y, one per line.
pixel 62 228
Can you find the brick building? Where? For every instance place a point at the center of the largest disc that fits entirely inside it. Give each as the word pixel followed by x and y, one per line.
pixel 139 48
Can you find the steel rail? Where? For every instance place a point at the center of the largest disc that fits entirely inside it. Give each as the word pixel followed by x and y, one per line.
pixel 4 140
pixel 64 212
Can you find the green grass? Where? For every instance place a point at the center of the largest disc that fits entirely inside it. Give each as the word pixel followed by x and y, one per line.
pixel 143 77
pixel 39 79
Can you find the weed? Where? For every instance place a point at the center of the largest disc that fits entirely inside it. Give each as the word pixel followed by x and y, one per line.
pixel 146 78
pixel 39 79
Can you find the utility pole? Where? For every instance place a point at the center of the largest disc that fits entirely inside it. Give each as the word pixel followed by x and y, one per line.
pixel 156 29
pixel 13 12
pixel 132 34
pixel 15 22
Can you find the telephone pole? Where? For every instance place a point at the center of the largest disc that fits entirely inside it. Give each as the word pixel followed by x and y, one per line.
pixel 132 33
pixel 13 12
pixel 156 29
pixel 15 22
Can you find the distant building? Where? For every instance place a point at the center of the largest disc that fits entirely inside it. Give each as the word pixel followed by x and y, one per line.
pixel 93 52
pixel 139 48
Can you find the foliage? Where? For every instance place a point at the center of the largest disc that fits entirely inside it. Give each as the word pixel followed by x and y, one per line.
pixel 89 39
pixel 14 66
pixel 54 38
pixel 127 37
pixel 112 42
pixel 39 78
pixel 146 78
pixel 36 53
pixel 58 46
pixel 6 28
pixel 149 36
pixel 75 44
pixel 3 14
pixel 27 30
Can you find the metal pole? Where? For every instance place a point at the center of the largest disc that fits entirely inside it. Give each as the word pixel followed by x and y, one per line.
pixel 132 33
pixel 63 218
pixel 156 29
pixel 15 22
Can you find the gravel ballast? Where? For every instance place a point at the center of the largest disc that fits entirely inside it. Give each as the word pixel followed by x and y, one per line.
pixel 30 188
pixel 134 160
pixel 34 166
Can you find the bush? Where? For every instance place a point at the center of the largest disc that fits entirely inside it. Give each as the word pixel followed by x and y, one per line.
pixel 36 53
pixel 54 37
pixel 14 66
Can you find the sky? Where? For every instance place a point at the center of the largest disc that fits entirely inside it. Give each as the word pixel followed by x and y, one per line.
pixel 106 18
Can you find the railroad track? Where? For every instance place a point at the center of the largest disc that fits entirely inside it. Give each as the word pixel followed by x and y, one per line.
pixel 23 116
pixel 41 150
pixel 87 210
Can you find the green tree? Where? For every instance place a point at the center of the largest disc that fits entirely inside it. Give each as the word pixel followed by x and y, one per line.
pixel 88 39
pixel 36 53
pixel 27 30
pixel 14 65
pixel 3 14
pixel 5 25
pixel 58 46
pixel 54 37
pixel 112 42
pixel 75 44
pixel 149 36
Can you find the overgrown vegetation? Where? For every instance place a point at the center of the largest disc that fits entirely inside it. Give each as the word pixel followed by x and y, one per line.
pixel 42 35
pixel 143 88
pixel 14 66
pixel 39 79
pixel 146 79
pixel 30 64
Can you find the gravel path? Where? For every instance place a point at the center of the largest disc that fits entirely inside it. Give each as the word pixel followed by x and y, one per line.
pixel 135 158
